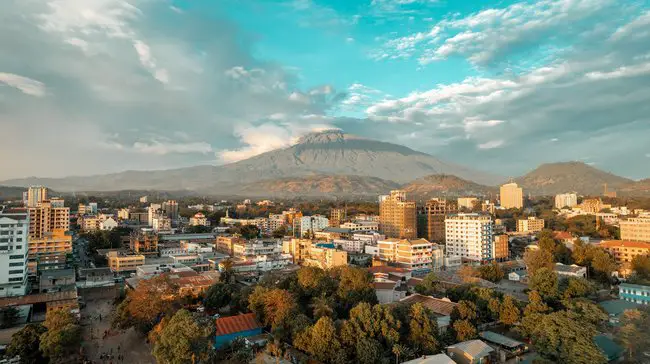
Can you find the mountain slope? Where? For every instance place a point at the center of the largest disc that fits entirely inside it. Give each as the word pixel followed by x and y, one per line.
pixel 316 185
pixel 325 153
pixel 639 188
pixel 446 185
pixel 554 178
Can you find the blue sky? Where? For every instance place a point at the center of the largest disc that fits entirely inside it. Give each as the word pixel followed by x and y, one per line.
pixel 97 86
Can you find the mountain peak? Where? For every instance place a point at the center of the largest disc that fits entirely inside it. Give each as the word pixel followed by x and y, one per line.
pixel 326 136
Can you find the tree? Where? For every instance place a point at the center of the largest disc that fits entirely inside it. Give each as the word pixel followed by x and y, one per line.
pixel 60 343
pixel 423 330
pixel 280 232
pixel 491 272
pixel 575 287
pixel 8 317
pixel 509 313
pixel 545 282
pixel 641 266
pixel 217 296
pixel 249 231
pixel 320 341
pixel 274 307
pixel 536 259
pixel 355 286
pixel 467 274
pixel 633 333
pixel 182 340
pixel 376 322
pixel 226 270
pixel 533 312
pixel 466 310
pixel 494 307
pixel 368 351
pixel 429 285
pixel 322 307
pixel 603 263
pixel 464 330
pixel 580 253
pixel 26 344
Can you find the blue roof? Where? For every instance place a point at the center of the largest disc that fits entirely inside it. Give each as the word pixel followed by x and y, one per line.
pixel 611 349
pixel 176 237
pixel 617 307
pixel 326 245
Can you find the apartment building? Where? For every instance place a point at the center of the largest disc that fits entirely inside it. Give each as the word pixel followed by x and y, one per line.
pixel 298 248
pixel 566 200
pixel 257 247
pixel 635 229
pixel 592 206
pixel 14 232
pixel 325 256
pixel 199 219
pixel 530 225
pixel 170 209
pixel 124 263
pixel 224 244
pixel 123 214
pixel 624 251
pixel 47 217
pixel 161 223
pixel 470 236
pixel 361 226
pixel 310 225
pixel 397 216
pixel 143 241
pixel 337 216
pixel 639 294
pixel 87 209
pixel 511 196
pixel 501 247
pixel 412 254
pixel 466 203
pixel 432 217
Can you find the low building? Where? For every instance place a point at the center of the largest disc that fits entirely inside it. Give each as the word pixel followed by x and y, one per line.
pixel 351 246
pixel 612 351
pixel 636 229
pixel 124 263
pixel 570 270
pixel 53 242
pixel 636 293
pixel 431 359
pixel 530 225
pixel 325 256
pixel 624 252
pixel 144 241
pixel 616 308
pixel 195 285
pixel 518 276
pixel 151 270
pixel 233 327
pixel 504 344
pixel 471 352
pixel 199 219
pixel 224 244
pixel 57 280
pixel 467 203
pixel 388 291
pixel 440 307
pixel 415 255
pixel 108 224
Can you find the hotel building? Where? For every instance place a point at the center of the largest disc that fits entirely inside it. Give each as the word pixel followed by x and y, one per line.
pixel 397 216
pixel 470 236
pixel 14 228
pixel 635 229
pixel 511 196
pixel 416 255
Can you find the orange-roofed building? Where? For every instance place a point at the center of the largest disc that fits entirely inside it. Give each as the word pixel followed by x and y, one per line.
pixel 624 252
pixel 233 327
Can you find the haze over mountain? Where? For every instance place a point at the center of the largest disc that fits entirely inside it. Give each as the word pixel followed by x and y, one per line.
pixel 554 178
pixel 446 185
pixel 330 152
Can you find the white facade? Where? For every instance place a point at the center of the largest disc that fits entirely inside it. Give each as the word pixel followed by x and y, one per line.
pixel 372 250
pixel 361 226
pixel 262 263
pixel 14 229
pixel 161 223
pixel 470 236
pixel 108 224
pixel 355 246
pixel 369 238
pixel 258 247
pixel 566 200
pixel 437 258
pixel 152 210
pixel 453 262
pixel 199 220
pixel 313 223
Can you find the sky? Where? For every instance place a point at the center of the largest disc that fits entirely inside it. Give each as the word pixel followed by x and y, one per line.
pixel 99 86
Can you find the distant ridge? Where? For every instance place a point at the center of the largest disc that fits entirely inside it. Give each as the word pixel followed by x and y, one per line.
pixel 441 185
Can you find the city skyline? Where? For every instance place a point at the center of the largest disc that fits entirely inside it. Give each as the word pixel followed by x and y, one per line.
pixel 141 85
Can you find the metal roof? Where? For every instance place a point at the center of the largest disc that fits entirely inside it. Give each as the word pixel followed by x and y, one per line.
pixel 234 324
pixel 493 337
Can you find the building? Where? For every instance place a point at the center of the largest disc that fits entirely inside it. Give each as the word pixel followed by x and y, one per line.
pixel 14 232
pixel 233 327
pixel 224 244
pixel 352 246
pixel 471 352
pixel 297 248
pixel 511 196
pixel 36 195
pixel 433 217
pixel 501 248
pixel 153 210
pixel 309 225
pixel 570 270
pixel 470 236
pixel 503 343
pixel 624 252
pixel 635 229
pixel 54 242
pixel 431 359
pixel 143 241
pixel 636 293
pixel 530 225
pixel 412 254
pixel 440 307
pixel 170 209
pixel 87 209
pixel 108 224
pixel 397 216
pixel 123 214
pixel 88 222
pixel 337 216
pixel 467 203
pixel 46 218
pixel 144 199
pixel 325 256
pixel 57 280
pixel 566 200
pixel 124 263
pixel 199 220
pixel 592 206
pixel 161 223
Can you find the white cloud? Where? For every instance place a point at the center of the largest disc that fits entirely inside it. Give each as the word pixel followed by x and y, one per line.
pixel 491 144
pixel 257 140
pixel 168 147
pixel 147 60
pixel 25 84
pixel 621 72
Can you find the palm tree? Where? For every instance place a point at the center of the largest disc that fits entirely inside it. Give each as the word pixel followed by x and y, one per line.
pixel 398 350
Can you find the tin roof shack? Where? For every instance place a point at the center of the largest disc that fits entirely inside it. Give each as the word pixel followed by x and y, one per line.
pixel 471 352
pixel 233 327
pixel 504 344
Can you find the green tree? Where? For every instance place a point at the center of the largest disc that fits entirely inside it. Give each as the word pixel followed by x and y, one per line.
pixel 355 286
pixel 26 344
pixel 8 317
pixel 423 330
pixel 537 259
pixel 182 340
pixel 575 287
pixel 466 310
pixel 580 253
pixel 533 312
pixel 464 330
pixel 376 322
pixel 368 351
pixel 634 334
pixel 545 282
pixel 603 263
pixel 60 343
pixel 249 231
pixel 494 308
pixel 280 232
pixel 491 272
pixel 227 274
pixel 274 307
pixel 217 296
pixel 509 313
pixel 429 285
pixel 322 307
pixel 320 341
pixel 641 266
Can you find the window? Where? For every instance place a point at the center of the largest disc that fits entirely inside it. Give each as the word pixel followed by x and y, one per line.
pixel 16 264
pixel 20 256
pixel 19 279
pixel 16 271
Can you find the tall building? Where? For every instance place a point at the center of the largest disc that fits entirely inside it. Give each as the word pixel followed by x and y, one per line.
pixel 635 229
pixel 397 216
pixel 467 203
pixel 501 247
pixel 566 200
pixel 592 205
pixel 530 225
pixel 511 196
pixel 143 241
pixel 36 195
pixel 433 217
pixel 153 211
pixel 14 232
pixel 416 255
pixel 337 216
pixel 470 236
pixel 170 209
pixel 46 218
pixel 309 224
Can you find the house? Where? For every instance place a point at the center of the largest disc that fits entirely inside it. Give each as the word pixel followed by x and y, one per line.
pixel 570 270
pixel 440 307
pixel 503 343
pixel 233 327
pixel 431 359
pixel 634 293
pixel 611 350
pixel 108 224
pixel 388 291
pixel 57 280
pixel 470 352
pixel 518 276
pixel 616 308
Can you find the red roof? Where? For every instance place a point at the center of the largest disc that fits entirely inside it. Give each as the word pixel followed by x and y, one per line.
pixel 386 269
pixel 562 235
pixel 624 244
pixel 239 323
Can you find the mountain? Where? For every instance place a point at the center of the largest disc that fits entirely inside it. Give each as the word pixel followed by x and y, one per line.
pixel 317 185
pixel 639 188
pixel 326 153
pixel 11 193
pixel 554 178
pixel 446 185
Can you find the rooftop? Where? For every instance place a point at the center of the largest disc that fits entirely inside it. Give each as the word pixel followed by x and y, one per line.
pixel 568 268
pixel 438 306
pixel 617 307
pixel 38 298
pixel 431 359
pixel 474 348
pixel 505 341
pixel 57 273
pixel 234 324
pixel 624 244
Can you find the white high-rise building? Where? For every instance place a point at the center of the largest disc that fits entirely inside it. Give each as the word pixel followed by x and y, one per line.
pixel 566 200
pixel 469 236
pixel 36 195
pixel 313 224
pixel 14 232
